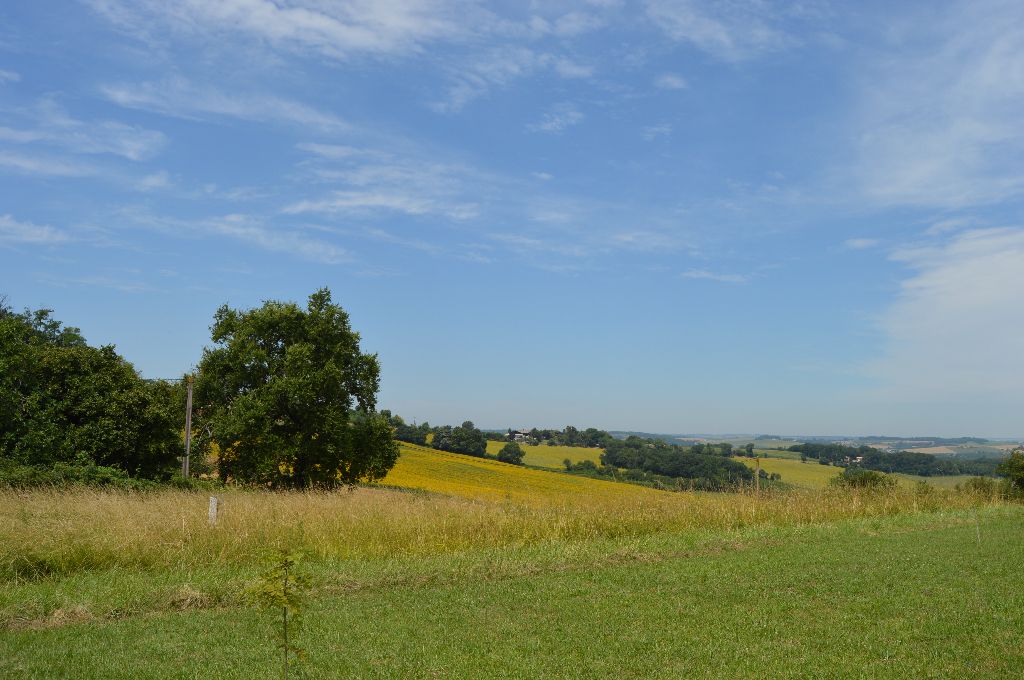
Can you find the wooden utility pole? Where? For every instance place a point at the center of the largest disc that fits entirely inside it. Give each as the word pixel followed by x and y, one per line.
pixel 188 428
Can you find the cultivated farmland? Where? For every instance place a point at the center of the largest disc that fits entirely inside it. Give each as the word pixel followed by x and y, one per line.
pixel 549 456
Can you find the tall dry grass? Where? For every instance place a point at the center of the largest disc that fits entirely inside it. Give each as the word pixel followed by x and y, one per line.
pixel 60 532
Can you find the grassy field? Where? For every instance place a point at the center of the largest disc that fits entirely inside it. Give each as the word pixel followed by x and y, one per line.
pixel 890 595
pixel 481 569
pixel 811 475
pixel 550 456
pixel 459 475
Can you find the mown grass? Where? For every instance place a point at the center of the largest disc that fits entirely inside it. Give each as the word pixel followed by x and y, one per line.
pixel 907 595
pixel 550 456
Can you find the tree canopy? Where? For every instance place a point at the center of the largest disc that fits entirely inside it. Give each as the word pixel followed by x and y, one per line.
pixel 62 401
pixel 465 438
pixel 511 453
pixel 289 397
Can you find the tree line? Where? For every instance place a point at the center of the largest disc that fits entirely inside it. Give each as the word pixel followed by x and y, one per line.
pixel 283 398
pixel 906 462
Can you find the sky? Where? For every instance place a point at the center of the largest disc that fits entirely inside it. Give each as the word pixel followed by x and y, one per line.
pixel 669 216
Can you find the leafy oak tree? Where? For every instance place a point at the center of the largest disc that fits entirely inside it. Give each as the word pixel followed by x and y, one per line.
pixel 289 398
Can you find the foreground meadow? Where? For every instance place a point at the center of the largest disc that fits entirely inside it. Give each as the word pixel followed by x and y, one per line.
pixel 590 580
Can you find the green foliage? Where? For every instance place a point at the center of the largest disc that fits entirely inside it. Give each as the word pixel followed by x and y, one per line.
pixel 283 589
pixel 465 438
pixel 570 436
pixel 906 462
pixel 980 486
pixel 62 401
pixel 858 478
pixel 511 453
pixel 642 458
pixel 412 434
pixel 1013 469
pixel 289 397
pixel 62 474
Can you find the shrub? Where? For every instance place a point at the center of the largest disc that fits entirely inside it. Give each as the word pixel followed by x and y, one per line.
pixel 858 478
pixel 62 401
pixel 511 453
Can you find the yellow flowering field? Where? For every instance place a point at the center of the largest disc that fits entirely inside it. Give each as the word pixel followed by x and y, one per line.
pixel 469 477
pixel 550 456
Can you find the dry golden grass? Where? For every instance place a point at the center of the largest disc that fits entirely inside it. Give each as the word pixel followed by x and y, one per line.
pixel 67 531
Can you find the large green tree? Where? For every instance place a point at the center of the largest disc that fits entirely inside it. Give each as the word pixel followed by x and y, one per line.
pixel 289 397
pixel 62 401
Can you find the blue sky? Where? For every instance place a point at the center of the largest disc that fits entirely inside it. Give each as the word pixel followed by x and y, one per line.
pixel 673 216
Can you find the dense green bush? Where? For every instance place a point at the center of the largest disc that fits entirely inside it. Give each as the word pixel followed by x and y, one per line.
pixel 511 453
pixel 67 474
pixel 858 478
pixel 62 401
pixel 465 438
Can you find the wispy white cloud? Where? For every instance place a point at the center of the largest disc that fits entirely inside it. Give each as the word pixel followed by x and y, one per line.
pixel 670 81
pixel 370 201
pixel 372 181
pixel 948 225
pixel 248 229
pixel 713 276
pixel 558 120
pixel 860 243
pixel 568 68
pixel 955 331
pixel 940 126
pixel 728 30
pixel 155 181
pixel 653 132
pixel 43 165
pixel 336 30
pixel 9 76
pixel 496 68
pixel 647 241
pixel 26 233
pixel 47 123
pixel 180 98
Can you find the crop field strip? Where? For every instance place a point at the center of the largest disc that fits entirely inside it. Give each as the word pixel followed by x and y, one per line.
pixel 550 456
pixel 459 475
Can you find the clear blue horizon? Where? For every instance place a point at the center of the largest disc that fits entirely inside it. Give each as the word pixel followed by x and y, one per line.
pixel 662 216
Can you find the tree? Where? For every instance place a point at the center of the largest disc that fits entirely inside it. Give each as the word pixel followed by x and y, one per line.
pixel 465 438
pixel 511 453
pixel 1013 469
pixel 62 401
pixel 290 398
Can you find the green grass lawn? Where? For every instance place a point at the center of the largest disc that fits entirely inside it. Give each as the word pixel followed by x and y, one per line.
pixel 894 597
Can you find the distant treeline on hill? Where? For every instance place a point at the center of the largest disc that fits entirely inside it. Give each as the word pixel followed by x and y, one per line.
pixel 590 438
pixel 713 472
pixel 906 462
pixel 648 461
